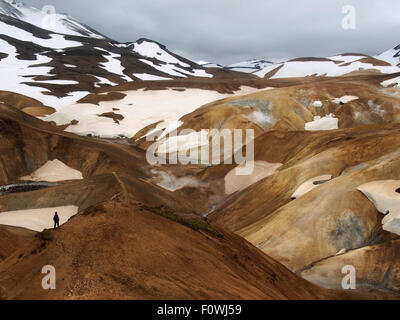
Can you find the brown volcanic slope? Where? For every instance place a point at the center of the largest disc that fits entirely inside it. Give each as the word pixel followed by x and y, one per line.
pixel 25 104
pixel 121 250
pixel 12 239
pixel 27 143
pixel 143 244
pixel 291 106
pixel 300 233
pixel 134 239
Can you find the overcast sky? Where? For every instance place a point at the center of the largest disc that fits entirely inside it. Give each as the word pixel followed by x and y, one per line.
pixel 227 31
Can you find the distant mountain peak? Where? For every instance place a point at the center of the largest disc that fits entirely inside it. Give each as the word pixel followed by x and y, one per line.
pixel 72 62
pixel 57 22
pixel 247 66
pixel 392 56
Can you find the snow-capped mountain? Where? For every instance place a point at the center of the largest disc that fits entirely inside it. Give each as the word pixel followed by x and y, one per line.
pixel 154 54
pixel 59 68
pixel 57 60
pixel 392 56
pixel 46 19
pixel 207 64
pixel 334 66
pixel 248 66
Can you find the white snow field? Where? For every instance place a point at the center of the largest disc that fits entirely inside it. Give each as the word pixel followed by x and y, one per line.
pixel 382 194
pixel 392 56
pixel 153 50
pixel 56 41
pixel 37 219
pixel 328 122
pixel 293 69
pixel 15 72
pixel 53 171
pixel 310 185
pixel 262 169
pixel 46 19
pixel 140 108
pixel 103 81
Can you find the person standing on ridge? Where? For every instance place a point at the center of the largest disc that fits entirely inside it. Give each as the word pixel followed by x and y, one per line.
pixel 56 221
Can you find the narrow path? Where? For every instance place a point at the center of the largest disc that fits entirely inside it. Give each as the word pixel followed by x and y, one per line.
pixel 124 191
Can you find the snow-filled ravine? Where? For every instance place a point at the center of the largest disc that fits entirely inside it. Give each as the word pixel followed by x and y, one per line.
pixel 310 185
pixel 53 171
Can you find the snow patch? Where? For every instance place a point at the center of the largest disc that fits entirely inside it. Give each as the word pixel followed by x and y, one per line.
pixel 327 68
pixel 146 76
pixel 318 104
pixel 262 170
pixel 56 81
pixel 382 194
pixel 328 122
pixel 386 200
pixel 37 219
pixel 102 80
pixel 310 185
pixel 343 251
pixel 391 82
pixel 391 222
pixel 114 65
pixel 153 50
pixel 56 41
pixel 52 171
pixel 345 99
pixel 173 70
pixel 61 23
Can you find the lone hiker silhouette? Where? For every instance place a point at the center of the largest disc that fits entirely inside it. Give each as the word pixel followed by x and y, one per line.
pixel 56 219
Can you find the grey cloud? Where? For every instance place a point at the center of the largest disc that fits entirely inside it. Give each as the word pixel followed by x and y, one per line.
pixel 227 31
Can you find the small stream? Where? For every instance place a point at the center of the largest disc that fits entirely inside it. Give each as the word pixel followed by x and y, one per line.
pixel 25 187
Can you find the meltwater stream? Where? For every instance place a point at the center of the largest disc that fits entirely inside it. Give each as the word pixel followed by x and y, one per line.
pixel 25 187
